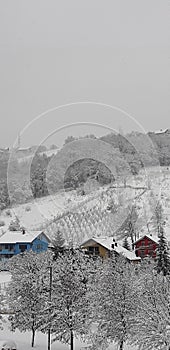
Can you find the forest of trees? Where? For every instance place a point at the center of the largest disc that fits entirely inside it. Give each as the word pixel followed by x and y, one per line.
pixel 64 293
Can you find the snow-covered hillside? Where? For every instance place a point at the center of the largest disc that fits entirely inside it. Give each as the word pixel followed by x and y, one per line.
pixel 79 217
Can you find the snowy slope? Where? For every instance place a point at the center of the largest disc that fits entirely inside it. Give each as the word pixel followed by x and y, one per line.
pixel 80 217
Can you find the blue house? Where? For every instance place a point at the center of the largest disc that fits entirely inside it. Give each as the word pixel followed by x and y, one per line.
pixel 16 242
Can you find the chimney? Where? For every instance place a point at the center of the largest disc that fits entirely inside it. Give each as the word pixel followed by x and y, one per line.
pixel 113 246
pixel 23 231
pixel 113 240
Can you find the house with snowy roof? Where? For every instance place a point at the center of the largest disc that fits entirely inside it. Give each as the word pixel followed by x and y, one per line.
pixel 162 131
pixel 105 247
pixel 16 242
pixel 146 246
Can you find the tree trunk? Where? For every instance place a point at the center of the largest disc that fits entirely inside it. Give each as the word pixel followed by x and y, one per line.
pixel 49 339
pixel 71 343
pixel 121 345
pixel 33 337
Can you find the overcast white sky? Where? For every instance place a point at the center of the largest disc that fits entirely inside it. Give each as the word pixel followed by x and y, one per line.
pixel 57 52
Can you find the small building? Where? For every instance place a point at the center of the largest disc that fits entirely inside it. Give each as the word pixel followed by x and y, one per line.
pixel 146 246
pixel 105 246
pixel 16 242
pixel 162 132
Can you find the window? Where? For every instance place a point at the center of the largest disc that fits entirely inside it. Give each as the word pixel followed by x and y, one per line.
pixel 6 246
pixel 39 246
pixel 142 254
pixel 93 250
pixel 22 247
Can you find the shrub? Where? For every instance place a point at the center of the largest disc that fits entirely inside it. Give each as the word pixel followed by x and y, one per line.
pixel 14 225
pixel 27 208
pixel 8 212
pixel 2 223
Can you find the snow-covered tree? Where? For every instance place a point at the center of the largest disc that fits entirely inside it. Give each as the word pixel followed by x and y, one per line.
pixel 163 255
pixel 28 291
pixel 70 315
pixel 126 244
pixel 58 244
pixel 113 303
pixel 128 228
pixel 151 321
pixel 3 305
pixel 158 217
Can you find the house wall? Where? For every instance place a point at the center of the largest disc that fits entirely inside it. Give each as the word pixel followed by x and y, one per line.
pixel 40 244
pixel 103 252
pixel 146 247
pixel 4 252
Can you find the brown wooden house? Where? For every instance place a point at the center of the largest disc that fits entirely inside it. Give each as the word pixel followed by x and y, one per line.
pixel 105 246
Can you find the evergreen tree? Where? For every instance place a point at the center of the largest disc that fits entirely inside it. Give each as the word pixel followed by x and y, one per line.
pixel 58 244
pixel 38 175
pixel 163 257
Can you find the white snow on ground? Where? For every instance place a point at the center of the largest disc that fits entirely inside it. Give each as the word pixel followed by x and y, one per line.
pixel 34 214
pixel 5 277
pixel 45 209
pixel 23 341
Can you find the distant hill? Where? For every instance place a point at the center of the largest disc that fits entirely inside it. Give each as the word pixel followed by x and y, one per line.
pixel 128 154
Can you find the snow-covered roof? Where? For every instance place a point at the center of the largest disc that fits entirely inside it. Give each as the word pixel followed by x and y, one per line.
pixel 154 239
pixel 107 243
pixel 19 237
pixel 23 149
pixel 161 131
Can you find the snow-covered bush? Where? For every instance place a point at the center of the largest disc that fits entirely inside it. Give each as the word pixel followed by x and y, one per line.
pixel 8 212
pixel 27 208
pixel 14 225
pixel 2 223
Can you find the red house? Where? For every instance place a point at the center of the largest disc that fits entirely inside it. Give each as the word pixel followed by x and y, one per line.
pixel 146 246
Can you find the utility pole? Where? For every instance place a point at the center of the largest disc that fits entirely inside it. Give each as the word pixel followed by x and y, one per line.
pixel 50 293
